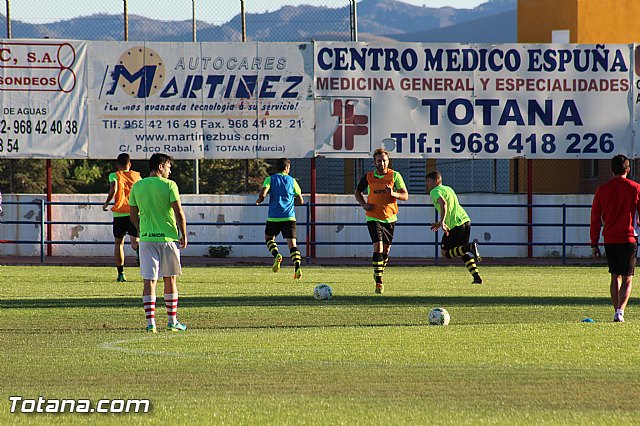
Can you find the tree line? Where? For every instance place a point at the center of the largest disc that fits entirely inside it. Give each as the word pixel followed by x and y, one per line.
pixel 28 176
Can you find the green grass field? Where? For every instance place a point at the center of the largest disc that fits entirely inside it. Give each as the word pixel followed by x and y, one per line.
pixel 260 350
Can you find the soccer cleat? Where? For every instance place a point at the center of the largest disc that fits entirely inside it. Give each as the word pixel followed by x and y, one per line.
pixel 474 250
pixel 276 263
pixel 379 288
pixel 618 317
pixel 176 327
pixel 297 274
pixel 121 278
pixel 477 281
pixel 151 329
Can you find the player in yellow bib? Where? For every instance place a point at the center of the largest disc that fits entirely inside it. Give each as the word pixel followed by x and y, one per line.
pixel 384 186
pixel 120 184
pixel 157 213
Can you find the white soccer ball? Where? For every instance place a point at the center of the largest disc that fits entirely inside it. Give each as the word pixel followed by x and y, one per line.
pixel 439 316
pixel 322 292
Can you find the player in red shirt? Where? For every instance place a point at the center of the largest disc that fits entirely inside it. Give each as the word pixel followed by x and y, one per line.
pixel 616 204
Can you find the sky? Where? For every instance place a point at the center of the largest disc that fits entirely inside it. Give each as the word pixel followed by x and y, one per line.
pixel 212 11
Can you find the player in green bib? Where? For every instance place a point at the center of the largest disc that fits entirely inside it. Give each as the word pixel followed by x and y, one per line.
pixel 157 214
pixel 455 224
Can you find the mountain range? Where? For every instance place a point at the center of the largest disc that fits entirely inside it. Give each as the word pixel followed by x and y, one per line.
pixel 378 20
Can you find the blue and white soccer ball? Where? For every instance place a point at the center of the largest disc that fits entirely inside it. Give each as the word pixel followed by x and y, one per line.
pixel 322 292
pixel 439 316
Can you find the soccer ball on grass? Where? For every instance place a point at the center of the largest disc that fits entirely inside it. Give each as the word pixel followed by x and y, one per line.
pixel 322 292
pixel 439 316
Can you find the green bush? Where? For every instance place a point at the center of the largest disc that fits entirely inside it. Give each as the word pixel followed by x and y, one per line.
pixel 219 251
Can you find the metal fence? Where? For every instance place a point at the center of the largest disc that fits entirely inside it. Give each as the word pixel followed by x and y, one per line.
pixel 44 225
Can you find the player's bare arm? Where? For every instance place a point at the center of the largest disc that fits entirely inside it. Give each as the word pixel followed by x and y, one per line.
pixel 401 194
pixel 112 193
pixel 134 216
pixel 262 195
pixel 443 215
pixel 181 222
pixel 361 201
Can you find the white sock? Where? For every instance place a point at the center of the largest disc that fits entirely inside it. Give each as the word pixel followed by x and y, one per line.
pixel 619 311
pixel 171 302
pixel 150 309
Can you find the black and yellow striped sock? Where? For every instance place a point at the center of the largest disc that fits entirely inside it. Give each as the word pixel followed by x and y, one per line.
pixel 385 260
pixel 295 256
pixel 458 251
pixel 273 247
pixel 378 267
pixel 470 262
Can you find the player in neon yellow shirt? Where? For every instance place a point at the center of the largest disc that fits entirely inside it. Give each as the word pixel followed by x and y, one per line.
pixel 455 224
pixel 157 213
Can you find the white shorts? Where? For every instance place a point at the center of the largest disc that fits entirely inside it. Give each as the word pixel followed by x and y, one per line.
pixel 159 260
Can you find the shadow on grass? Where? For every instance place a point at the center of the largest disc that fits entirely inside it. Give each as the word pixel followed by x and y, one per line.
pixel 249 301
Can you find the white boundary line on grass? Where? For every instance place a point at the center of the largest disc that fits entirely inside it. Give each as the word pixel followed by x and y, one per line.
pixel 115 346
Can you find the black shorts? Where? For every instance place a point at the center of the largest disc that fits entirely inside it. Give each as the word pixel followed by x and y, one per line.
pixel 122 226
pixel 381 231
pixel 287 227
pixel 621 258
pixel 458 236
